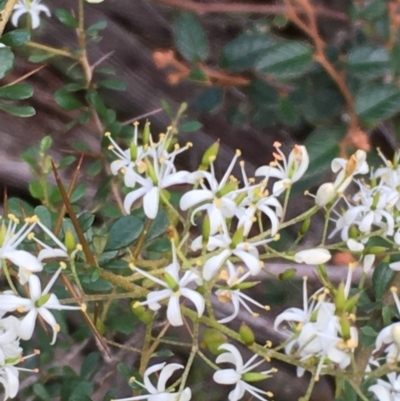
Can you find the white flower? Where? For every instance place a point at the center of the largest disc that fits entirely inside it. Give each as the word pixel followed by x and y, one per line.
pixel 368 260
pixel 9 339
pixel 217 198
pixel 291 169
pixel 40 302
pixel 160 393
pixel 175 287
pixel 387 391
pixel 239 375
pixel 325 194
pixel 234 294
pixel 247 252
pixel 31 7
pixel 161 174
pixel 347 169
pixel 390 336
pixel 9 378
pixel 314 256
pixel 10 239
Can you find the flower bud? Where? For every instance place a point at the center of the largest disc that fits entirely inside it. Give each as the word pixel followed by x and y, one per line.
pixel 69 242
pixel 325 194
pixel 375 250
pixel 340 299
pixel 305 226
pixel 146 316
pixel 209 155
pixel 345 326
pixel 287 274
pixel 314 256
pixel 171 282
pixel 146 135
pixel 213 339
pixel 251 377
pixel 246 335
pixel 206 229
pixel 237 237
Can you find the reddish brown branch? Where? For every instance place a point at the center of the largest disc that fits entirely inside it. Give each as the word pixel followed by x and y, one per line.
pixel 265 9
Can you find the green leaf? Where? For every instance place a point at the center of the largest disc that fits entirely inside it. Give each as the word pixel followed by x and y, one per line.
pixel 287 112
pixel 209 100
pixel 6 61
pixel 158 226
pixel 41 392
pixel 263 94
pixel 160 245
pixel 19 111
pixel 98 26
pixel 86 220
pixel 35 189
pixel 115 84
pixel 242 52
pixel 66 18
pixel 99 285
pixel 287 59
pixel 90 363
pixel 44 216
pixel 368 331
pixel 78 192
pixel 15 38
pixel 16 92
pixel 377 102
pixel 123 232
pixel 381 278
pixel 373 10
pixel 190 126
pixel 368 61
pixel 66 100
pixel 190 38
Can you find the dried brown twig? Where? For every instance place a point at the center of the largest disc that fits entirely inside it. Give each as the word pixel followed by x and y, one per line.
pixel 245 7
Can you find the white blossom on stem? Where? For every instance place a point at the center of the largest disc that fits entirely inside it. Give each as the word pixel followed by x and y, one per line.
pixel 160 393
pixel 10 239
pixel 387 391
pixel 160 174
pixel 314 256
pixel 240 374
pixel 217 199
pixel 39 303
pixel 234 294
pixel 288 171
pixel 174 288
pixel 31 7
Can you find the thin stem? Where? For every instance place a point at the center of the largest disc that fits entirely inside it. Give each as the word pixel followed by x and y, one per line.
pixel 52 50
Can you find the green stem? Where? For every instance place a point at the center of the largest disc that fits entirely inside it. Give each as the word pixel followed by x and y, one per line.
pixel 52 50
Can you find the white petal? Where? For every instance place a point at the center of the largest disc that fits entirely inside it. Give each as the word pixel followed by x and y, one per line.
pixel 213 264
pixel 226 376
pixel 196 298
pixel 313 256
pixel 268 171
pixel 16 16
pixel 251 261
pixel 34 19
pixel 236 356
pixel 165 374
pixel 35 288
pixel 174 315
pixel 150 203
pixel 380 392
pixel 354 245
pixel 132 197
pixel 194 197
pixel 52 253
pixel 27 325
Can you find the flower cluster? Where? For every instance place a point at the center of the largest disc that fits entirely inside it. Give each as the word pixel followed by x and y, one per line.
pixel 322 330
pixel 29 301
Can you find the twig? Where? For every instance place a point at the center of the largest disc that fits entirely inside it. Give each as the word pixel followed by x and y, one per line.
pixel 266 9
pixel 6 13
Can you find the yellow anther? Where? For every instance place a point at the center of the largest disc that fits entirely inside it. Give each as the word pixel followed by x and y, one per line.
pixel 79 247
pixel 63 265
pixel 238 153
pixel 107 134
